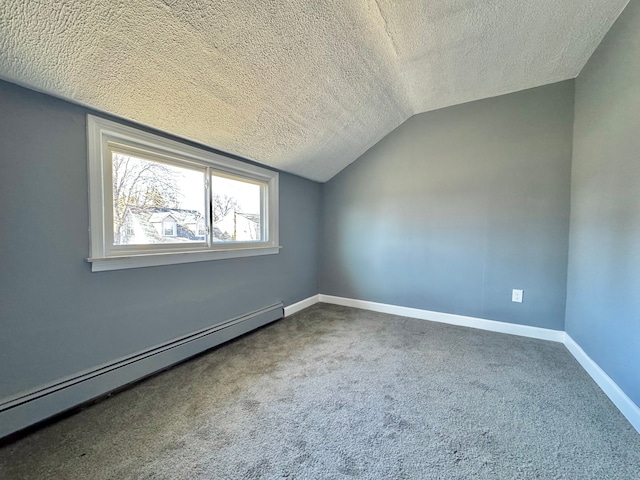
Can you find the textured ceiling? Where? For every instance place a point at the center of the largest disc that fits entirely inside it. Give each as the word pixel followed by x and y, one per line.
pixel 303 86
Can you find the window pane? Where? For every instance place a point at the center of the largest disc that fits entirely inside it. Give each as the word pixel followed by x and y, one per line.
pixel 236 210
pixel 155 202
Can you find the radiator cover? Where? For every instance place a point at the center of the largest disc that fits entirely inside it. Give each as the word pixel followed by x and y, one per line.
pixel 27 408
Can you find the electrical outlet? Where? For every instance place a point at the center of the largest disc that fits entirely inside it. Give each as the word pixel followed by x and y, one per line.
pixel 516 295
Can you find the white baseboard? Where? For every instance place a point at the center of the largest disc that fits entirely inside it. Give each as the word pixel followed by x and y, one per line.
pixel 27 408
pixel 460 320
pixel 626 406
pixel 620 399
pixel 301 305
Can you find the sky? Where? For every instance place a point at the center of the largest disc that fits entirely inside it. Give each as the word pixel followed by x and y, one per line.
pixel 191 185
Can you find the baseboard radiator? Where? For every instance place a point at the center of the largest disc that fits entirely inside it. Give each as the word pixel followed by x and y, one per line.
pixel 27 408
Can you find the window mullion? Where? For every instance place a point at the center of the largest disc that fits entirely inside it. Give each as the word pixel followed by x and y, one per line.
pixel 264 216
pixel 208 206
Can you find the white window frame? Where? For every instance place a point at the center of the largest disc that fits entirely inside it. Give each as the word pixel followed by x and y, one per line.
pixel 102 135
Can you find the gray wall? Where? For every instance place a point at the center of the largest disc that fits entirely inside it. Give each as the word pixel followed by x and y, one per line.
pixel 455 208
pixel 603 298
pixel 56 317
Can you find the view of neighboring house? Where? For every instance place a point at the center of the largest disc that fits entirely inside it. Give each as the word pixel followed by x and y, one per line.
pixel 150 225
pixel 237 226
pixel 145 225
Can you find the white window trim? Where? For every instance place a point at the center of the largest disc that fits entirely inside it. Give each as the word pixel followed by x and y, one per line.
pixel 100 133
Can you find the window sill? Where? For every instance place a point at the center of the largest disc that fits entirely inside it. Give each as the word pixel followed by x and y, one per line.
pixel 173 258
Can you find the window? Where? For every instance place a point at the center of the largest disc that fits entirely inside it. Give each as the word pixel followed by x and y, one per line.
pixel 169 227
pixel 202 229
pixel 236 209
pixel 154 201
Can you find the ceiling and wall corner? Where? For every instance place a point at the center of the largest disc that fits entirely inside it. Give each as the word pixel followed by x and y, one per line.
pixel 305 87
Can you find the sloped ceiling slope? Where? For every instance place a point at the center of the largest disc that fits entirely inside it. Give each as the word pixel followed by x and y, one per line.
pixel 303 86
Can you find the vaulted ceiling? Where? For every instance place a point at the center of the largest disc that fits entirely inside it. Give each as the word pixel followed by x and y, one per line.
pixel 303 86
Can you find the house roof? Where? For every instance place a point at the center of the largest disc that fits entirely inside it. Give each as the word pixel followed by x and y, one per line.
pixel 252 217
pixel 303 86
pixel 146 217
pixel 158 216
pixel 245 225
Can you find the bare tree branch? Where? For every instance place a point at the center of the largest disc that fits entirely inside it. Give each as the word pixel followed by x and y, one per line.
pixel 142 183
pixel 222 205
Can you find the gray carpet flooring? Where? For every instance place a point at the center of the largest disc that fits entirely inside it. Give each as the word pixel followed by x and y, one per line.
pixel 334 392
